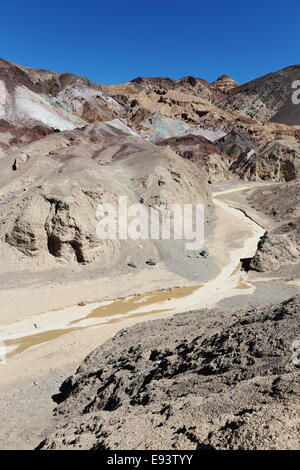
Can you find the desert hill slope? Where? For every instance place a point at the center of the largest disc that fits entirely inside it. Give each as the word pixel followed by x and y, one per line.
pixel 32 97
pixel 51 189
pixel 267 98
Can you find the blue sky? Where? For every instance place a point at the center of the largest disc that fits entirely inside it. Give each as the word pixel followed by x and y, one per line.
pixel 115 41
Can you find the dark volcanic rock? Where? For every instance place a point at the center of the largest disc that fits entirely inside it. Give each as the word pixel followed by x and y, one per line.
pixel 208 379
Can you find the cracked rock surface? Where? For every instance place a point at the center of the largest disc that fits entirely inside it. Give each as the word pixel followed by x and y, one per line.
pixel 209 379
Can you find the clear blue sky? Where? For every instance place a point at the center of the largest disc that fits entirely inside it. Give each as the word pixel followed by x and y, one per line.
pixel 113 41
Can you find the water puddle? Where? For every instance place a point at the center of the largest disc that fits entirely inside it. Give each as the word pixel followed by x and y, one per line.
pixel 128 304
pixel 20 345
pixel 142 305
pixel 110 313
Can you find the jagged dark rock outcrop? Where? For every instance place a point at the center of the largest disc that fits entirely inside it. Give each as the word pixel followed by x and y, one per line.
pixel 208 379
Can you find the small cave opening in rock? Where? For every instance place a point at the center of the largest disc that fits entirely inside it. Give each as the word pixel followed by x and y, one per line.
pixel 58 248
pixel 289 170
pixel 245 262
pixel 54 245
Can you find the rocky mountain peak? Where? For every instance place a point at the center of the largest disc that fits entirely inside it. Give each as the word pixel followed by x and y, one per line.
pixel 225 84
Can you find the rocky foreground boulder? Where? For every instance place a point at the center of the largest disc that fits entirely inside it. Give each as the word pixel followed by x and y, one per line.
pixel 278 248
pixel 201 380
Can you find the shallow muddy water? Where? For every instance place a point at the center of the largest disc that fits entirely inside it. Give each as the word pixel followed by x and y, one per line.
pixel 19 338
pixel 112 313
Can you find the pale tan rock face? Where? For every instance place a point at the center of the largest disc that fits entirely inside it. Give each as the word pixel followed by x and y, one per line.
pixel 276 161
pixel 279 248
pixel 19 160
pixel 217 168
